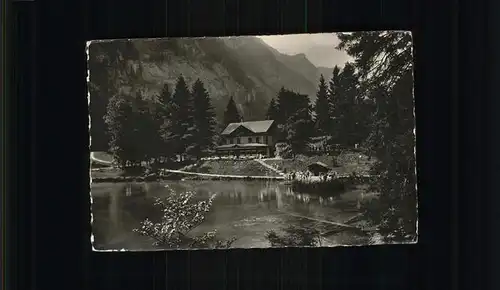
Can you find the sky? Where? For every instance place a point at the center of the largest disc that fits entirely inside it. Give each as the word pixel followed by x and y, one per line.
pixel 319 48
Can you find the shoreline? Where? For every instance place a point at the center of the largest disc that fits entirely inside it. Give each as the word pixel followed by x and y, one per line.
pixel 181 175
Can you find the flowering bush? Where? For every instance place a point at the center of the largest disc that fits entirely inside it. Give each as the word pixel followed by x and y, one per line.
pixel 180 216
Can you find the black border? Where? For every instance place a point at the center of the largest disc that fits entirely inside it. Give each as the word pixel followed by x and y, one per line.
pixel 51 204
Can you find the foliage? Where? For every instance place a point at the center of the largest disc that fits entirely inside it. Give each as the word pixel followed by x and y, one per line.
pixel 109 68
pixel 231 114
pixel 123 136
pixel 322 108
pixel 164 117
pixel 272 110
pixel 147 127
pixel 203 118
pixel 294 236
pixel 131 121
pixel 182 128
pixel 283 150
pixel 294 120
pixel 384 64
pixel 180 216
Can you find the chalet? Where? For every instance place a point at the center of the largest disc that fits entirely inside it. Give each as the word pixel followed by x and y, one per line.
pixel 257 137
pixel 317 168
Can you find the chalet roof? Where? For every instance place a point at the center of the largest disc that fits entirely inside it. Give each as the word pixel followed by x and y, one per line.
pixel 254 126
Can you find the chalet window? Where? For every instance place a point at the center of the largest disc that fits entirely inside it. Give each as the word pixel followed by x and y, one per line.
pixel 249 139
pixel 235 140
pixel 266 140
pixel 228 141
pixel 238 140
pixel 257 140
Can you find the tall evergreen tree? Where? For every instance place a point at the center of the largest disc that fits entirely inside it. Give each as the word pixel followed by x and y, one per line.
pixel 181 125
pixel 147 128
pixel 297 130
pixel 164 118
pixel 322 108
pixel 334 94
pixel 384 60
pixel 345 111
pixel 272 110
pixel 231 114
pixel 166 95
pixel 204 118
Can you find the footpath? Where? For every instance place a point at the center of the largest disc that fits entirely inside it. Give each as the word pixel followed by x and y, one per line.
pixel 261 162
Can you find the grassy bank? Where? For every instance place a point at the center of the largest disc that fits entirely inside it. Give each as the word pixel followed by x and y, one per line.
pixel 229 167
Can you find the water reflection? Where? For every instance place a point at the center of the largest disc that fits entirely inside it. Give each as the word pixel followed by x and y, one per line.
pixel 244 209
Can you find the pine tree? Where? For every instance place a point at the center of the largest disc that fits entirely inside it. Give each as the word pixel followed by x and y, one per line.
pixel 147 128
pixel 272 110
pixel 166 95
pixel 181 125
pixel 231 114
pixel 345 112
pixel 334 93
pixel 322 108
pixel 204 118
pixel 164 118
pixel 298 128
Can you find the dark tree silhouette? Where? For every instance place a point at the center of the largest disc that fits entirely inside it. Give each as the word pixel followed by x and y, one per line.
pixel 164 113
pixel 147 129
pixel 231 114
pixel 120 119
pixel 322 108
pixel 181 123
pixel 204 118
pixel 294 120
pixel 272 110
pixel 384 62
pixel 345 106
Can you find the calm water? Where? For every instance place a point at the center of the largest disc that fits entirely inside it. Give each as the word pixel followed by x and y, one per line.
pixel 244 209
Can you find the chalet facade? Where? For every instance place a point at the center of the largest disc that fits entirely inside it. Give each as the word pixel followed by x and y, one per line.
pixel 257 137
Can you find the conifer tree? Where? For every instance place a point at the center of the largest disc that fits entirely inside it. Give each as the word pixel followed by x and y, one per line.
pixel 204 118
pixel 231 114
pixel 345 112
pixel 164 118
pixel 322 108
pixel 272 110
pixel 334 93
pixel 298 128
pixel 181 125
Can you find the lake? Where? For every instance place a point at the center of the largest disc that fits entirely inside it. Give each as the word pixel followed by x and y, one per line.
pixel 244 209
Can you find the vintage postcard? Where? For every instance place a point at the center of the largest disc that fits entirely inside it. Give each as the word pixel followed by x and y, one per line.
pixel 303 140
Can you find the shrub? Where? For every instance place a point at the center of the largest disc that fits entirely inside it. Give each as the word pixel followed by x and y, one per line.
pixel 180 216
pixel 293 236
pixel 283 150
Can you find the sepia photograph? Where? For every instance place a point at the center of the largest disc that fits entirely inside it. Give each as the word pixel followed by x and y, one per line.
pixel 299 140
